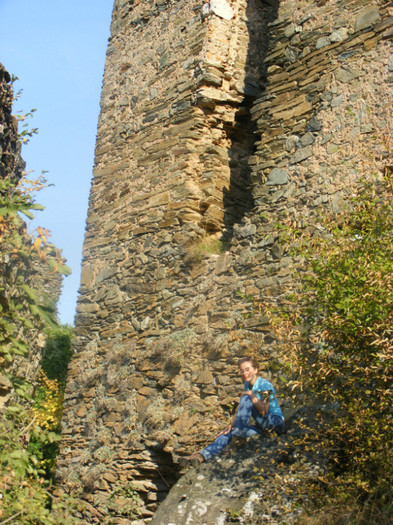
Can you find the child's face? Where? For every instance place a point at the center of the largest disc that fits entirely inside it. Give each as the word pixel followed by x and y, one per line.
pixel 248 372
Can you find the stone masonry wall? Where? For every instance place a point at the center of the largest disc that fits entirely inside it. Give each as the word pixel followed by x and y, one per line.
pixel 165 308
pixel 171 169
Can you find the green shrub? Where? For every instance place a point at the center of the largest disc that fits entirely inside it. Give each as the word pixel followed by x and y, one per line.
pixel 346 309
pixel 29 422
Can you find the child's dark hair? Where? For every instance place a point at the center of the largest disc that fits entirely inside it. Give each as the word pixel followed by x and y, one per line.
pixel 248 359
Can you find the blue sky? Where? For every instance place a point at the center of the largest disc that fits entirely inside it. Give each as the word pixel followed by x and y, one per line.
pixel 57 50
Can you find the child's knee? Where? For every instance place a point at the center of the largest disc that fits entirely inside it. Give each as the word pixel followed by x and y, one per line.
pixel 245 401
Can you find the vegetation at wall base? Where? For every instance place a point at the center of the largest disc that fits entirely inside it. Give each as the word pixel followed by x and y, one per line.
pixel 30 418
pixel 343 312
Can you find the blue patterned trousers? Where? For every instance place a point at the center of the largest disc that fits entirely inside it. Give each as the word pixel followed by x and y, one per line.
pixel 242 428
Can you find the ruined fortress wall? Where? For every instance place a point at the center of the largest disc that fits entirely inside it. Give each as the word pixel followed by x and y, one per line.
pixel 178 83
pixel 184 232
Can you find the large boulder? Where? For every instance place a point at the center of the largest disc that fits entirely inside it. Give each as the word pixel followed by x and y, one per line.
pixel 257 481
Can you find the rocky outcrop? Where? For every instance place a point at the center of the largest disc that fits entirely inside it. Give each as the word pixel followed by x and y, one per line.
pixel 255 482
pixel 191 221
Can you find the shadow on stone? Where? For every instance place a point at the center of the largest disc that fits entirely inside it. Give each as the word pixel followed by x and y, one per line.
pixel 238 200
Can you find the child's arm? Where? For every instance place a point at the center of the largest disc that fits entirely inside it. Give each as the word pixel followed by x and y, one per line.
pixel 261 405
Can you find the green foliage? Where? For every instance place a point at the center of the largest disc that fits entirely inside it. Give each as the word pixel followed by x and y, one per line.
pixel 29 442
pixel 27 133
pixel 20 308
pixel 57 353
pixel 346 310
pixel 235 516
pixel 49 395
pixel 29 425
pixel 26 495
pixel 354 283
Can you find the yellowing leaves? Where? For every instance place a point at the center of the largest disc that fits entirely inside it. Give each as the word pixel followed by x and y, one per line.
pixel 49 401
pixel 42 238
pixel 37 243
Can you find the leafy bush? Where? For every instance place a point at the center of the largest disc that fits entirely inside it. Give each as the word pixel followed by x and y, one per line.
pixel 346 310
pixel 49 396
pixel 29 422
pixel 25 491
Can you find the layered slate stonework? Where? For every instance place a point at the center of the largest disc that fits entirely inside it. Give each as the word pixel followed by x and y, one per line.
pixel 221 123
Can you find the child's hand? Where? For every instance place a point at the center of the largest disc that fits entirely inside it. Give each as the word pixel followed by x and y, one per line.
pixel 249 393
pixel 226 430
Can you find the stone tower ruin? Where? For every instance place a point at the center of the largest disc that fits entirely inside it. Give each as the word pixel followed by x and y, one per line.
pixel 219 121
